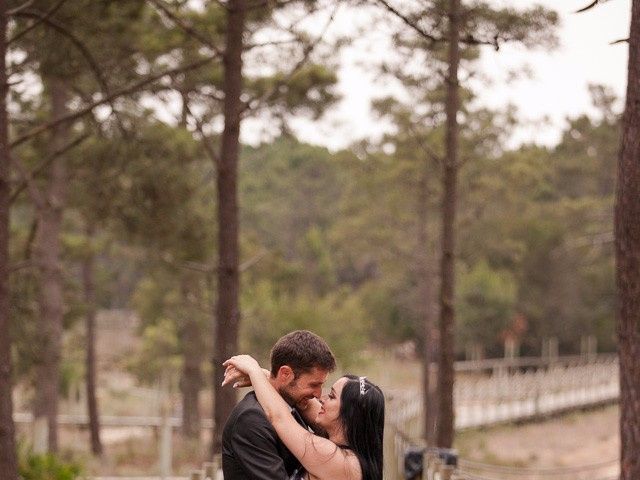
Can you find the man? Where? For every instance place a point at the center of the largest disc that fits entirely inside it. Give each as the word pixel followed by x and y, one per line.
pixel 251 450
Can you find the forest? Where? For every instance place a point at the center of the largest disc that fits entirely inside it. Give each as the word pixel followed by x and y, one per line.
pixel 127 185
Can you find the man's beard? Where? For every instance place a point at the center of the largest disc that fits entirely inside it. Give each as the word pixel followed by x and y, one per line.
pixel 284 393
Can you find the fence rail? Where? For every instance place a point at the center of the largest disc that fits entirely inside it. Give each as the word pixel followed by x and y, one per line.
pixel 486 392
pixel 114 421
pixel 443 464
pixel 496 391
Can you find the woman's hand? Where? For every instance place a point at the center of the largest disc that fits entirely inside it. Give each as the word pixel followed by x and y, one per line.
pixel 239 379
pixel 238 368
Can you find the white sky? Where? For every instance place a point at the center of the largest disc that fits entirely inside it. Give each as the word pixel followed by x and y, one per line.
pixel 557 90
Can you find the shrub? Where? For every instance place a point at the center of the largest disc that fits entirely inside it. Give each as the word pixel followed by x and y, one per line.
pixel 47 467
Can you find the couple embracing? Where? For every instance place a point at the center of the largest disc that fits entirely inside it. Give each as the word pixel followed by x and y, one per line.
pixel 285 429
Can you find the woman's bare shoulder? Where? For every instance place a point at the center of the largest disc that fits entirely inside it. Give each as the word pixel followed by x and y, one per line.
pixel 343 465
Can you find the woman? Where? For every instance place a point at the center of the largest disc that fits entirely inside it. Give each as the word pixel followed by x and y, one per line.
pixel 352 414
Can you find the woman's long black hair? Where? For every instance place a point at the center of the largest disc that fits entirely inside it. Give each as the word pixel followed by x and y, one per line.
pixel 362 417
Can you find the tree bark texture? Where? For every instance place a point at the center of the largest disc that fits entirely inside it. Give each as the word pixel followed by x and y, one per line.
pixel 426 307
pixel 88 280
pixel 194 353
pixel 627 246
pixel 8 462
pixel 47 254
pixel 228 309
pixel 446 420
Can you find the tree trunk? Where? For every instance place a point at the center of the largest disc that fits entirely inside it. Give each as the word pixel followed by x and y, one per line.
pixel 193 351
pixel 191 338
pixel 627 245
pixel 426 308
pixel 47 252
pixel 88 276
pixel 446 420
pixel 8 463
pixel 228 310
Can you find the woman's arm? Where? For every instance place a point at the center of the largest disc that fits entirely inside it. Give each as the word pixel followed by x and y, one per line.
pixel 310 413
pixel 238 378
pixel 319 456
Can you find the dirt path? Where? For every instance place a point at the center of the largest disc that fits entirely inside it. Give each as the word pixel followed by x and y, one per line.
pixel 576 439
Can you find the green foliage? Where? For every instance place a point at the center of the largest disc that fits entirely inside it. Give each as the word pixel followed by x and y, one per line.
pixel 334 235
pixel 486 303
pixel 338 317
pixel 308 91
pixel 158 354
pixel 155 202
pixel 391 307
pixel 72 366
pixel 544 215
pixel 533 27
pixel 154 298
pixel 47 467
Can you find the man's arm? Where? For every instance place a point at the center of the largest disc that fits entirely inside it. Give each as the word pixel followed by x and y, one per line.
pixel 254 443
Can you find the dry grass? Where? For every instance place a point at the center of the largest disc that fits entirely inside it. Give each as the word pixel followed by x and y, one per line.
pixel 575 439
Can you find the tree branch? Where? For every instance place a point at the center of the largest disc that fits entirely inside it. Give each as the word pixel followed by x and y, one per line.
pixel 423 33
pixel 431 153
pixel 28 246
pixel 468 39
pixel 44 164
pixel 83 50
pixel 38 199
pixel 208 269
pixel 264 3
pixel 622 40
pixel 252 261
pixel 45 17
pixel 26 4
pixel 119 93
pixel 17 266
pixel 251 46
pixel 159 4
pixel 588 7
pixel 205 141
pixel 255 103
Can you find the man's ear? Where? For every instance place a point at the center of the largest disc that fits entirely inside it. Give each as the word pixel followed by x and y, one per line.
pixel 285 374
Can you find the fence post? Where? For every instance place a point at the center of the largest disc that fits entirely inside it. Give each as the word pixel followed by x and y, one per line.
pixel 553 349
pixel 592 347
pixel 165 433
pixel 446 471
pixel 435 471
pixel 211 469
pixel 40 435
pixel 165 448
pixel 427 465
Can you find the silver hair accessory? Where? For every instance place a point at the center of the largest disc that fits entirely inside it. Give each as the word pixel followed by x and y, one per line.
pixel 362 379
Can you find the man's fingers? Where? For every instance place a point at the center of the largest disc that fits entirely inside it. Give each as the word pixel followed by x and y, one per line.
pixel 226 381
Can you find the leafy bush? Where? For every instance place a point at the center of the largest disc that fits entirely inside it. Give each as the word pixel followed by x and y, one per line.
pixel 338 317
pixel 486 305
pixel 47 467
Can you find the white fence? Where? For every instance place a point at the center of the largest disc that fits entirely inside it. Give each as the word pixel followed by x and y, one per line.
pixel 498 391
pixel 486 392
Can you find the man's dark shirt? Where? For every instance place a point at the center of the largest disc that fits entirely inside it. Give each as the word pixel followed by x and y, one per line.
pixel 251 449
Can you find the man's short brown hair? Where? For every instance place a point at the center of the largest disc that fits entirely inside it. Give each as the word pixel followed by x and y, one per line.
pixel 303 351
